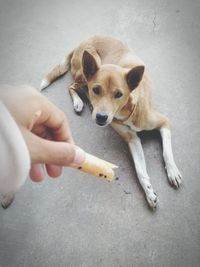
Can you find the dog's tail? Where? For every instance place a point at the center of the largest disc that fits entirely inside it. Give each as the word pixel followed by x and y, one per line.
pixel 57 71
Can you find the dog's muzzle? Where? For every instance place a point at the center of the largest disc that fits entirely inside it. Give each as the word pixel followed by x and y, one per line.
pixel 101 118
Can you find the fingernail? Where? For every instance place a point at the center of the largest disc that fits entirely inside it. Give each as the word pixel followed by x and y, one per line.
pixel 79 156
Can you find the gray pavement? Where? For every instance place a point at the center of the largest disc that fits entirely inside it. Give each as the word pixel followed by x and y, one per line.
pixel 78 220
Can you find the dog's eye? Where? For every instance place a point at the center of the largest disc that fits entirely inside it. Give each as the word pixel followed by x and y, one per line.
pixel 97 90
pixel 118 94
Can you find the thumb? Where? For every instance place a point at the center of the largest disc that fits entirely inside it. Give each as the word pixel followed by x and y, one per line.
pixel 53 152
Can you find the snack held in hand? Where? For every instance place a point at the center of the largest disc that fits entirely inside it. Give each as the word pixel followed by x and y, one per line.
pixel 98 167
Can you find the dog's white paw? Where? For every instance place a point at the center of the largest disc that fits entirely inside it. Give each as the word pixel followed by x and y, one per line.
pixel 152 198
pixel 78 104
pixel 174 175
pixel 44 84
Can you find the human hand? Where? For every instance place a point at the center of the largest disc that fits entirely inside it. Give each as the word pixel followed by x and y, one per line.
pixel 45 130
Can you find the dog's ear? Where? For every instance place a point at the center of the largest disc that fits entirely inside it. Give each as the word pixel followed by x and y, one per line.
pixel 89 64
pixel 134 77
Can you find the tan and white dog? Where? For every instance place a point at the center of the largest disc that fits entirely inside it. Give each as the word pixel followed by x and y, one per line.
pixel 119 92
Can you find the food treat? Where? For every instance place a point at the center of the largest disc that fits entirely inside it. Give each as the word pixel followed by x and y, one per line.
pixel 98 167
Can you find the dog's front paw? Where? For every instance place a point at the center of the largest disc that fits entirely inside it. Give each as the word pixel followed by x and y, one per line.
pixel 152 199
pixel 174 176
pixel 78 105
pixel 7 199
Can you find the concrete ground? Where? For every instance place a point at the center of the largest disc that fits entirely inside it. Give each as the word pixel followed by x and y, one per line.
pixel 81 221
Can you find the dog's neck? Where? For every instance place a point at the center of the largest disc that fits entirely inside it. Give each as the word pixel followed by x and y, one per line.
pixel 127 110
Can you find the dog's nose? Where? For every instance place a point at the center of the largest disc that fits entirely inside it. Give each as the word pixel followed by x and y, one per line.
pixel 101 118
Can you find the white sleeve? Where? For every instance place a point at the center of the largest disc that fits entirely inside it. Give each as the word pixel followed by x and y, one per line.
pixel 14 154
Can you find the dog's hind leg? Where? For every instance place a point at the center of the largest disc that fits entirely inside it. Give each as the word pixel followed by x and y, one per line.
pixel 57 71
pixel 136 150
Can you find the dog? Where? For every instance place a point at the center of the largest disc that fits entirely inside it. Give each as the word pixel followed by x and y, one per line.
pixel 119 90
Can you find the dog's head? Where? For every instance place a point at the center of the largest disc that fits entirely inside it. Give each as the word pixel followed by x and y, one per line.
pixel 109 87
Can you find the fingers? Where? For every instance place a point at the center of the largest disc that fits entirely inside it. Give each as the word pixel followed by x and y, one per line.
pixel 56 121
pixel 52 152
pixel 54 170
pixel 37 172
pixel 30 108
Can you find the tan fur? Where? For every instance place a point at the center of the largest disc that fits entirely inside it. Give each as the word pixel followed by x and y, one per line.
pixel 107 50
pixel 60 69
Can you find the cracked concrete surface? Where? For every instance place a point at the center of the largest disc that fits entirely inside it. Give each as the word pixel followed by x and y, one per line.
pixel 154 21
pixel 79 220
